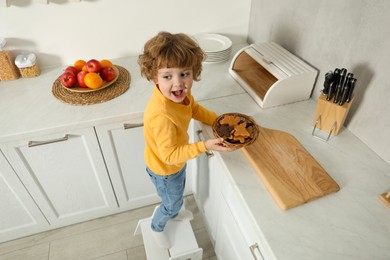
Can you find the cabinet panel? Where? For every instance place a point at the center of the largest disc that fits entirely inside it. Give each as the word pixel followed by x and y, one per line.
pixel 230 243
pixel 65 175
pixel 208 190
pixel 19 216
pixel 207 178
pixel 123 149
pixel 243 220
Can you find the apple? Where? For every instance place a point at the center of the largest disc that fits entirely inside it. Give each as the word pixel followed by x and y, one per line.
pixel 72 69
pixel 68 79
pixel 80 78
pixel 107 73
pixel 93 66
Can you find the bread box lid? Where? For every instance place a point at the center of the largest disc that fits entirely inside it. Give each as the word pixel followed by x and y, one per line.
pixel 25 60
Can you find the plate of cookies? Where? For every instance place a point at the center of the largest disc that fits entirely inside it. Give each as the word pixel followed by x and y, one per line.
pixel 237 130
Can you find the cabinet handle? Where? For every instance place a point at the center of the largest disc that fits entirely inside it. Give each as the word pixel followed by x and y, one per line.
pixel 267 61
pixel 201 137
pixel 129 126
pixel 36 143
pixel 253 248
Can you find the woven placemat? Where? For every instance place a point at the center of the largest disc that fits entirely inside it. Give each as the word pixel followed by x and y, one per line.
pixel 120 86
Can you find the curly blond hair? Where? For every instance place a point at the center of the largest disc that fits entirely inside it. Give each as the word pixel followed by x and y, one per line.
pixel 166 50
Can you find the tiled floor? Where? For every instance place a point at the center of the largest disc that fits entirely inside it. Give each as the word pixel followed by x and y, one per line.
pixel 108 238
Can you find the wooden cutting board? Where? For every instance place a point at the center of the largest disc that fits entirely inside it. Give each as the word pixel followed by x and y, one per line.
pixel 289 172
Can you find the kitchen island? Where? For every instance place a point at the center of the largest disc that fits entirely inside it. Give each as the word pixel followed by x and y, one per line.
pixel 349 224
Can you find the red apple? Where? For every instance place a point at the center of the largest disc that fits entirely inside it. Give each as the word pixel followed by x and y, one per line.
pixel 93 66
pixel 72 69
pixel 107 73
pixel 68 79
pixel 80 78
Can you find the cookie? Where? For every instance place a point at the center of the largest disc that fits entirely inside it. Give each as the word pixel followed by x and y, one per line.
pixel 240 139
pixel 230 120
pixel 224 131
pixel 240 130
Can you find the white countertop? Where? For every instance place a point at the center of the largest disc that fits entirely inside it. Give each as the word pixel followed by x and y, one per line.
pixel 350 224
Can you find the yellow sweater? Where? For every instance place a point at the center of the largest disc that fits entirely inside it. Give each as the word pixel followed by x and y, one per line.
pixel 165 130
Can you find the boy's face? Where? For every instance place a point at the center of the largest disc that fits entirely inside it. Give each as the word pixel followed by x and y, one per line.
pixel 175 83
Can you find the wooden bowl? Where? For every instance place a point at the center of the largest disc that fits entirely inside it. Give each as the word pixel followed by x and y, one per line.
pixel 230 131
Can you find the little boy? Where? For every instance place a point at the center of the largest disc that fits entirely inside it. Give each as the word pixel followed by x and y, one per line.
pixel 172 62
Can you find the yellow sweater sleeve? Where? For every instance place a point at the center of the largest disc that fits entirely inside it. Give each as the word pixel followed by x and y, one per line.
pixel 202 114
pixel 170 148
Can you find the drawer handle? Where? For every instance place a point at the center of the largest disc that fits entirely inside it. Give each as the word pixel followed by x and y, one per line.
pixel 201 137
pixel 36 143
pixel 253 248
pixel 129 126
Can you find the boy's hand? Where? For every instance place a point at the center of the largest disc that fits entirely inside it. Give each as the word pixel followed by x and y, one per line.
pixel 218 145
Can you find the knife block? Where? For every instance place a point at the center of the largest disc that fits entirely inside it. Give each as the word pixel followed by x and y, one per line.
pixel 330 116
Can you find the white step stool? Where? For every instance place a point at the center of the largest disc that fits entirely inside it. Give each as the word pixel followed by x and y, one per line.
pixel 181 236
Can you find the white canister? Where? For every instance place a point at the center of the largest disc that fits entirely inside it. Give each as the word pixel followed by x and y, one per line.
pixel 27 64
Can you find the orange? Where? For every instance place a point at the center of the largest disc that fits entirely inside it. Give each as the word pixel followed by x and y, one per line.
pixel 79 64
pixel 93 80
pixel 104 63
pixel 84 67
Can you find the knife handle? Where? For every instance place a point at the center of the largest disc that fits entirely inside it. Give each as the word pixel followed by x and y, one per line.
pixel 351 87
pixel 340 85
pixel 344 95
pixel 331 90
pixel 328 80
pixel 338 93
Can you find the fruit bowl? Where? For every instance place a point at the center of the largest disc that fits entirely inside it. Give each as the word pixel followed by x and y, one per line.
pixel 77 88
pixel 237 130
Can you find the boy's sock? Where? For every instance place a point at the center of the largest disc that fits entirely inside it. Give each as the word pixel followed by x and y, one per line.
pixel 183 215
pixel 161 239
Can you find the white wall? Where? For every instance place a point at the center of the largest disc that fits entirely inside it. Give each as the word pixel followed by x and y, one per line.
pixel 65 30
pixel 354 34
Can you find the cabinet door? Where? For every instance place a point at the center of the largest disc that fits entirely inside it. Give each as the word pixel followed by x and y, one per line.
pixel 208 173
pixel 19 216
pixel 251 239
pixel 65 174
pixel 230 243
pixel 123 149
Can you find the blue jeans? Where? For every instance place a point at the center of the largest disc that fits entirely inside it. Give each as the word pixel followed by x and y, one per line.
pixel 170 189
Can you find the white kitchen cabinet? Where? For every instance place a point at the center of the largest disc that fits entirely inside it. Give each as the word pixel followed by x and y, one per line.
pixel 123 146
pixel 230 243
pixel 65 174
pixel 236 230
pixel 229 224
pixel 20 216
pixel 123 150
pixel 207 186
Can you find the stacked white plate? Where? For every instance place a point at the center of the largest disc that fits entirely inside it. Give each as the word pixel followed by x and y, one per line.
pixel 217 47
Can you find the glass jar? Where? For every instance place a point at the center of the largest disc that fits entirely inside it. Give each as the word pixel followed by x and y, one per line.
pixel 8 70
pixel 27 64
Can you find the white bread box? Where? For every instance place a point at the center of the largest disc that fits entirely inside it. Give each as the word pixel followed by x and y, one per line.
pixel 271 75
